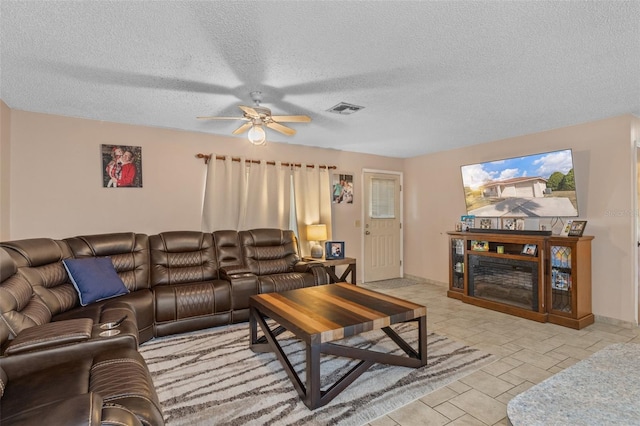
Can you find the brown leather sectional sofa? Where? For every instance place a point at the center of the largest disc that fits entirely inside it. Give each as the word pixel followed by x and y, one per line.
pixel 56 364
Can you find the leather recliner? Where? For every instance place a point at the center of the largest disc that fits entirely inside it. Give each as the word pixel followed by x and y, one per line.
pixel 63 373
pixel 272 255
pixel 184 276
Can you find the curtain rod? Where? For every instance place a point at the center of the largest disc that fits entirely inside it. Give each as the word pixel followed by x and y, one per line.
pixel 207 157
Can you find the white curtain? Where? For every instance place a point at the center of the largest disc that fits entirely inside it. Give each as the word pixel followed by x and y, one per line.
pixel 221 195
pixel 267 197
pixel 240 195
pixel 312 187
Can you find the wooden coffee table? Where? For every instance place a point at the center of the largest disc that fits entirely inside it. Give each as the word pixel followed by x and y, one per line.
pixel 322 314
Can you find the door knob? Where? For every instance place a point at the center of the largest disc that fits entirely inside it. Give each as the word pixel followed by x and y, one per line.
pixel 367 232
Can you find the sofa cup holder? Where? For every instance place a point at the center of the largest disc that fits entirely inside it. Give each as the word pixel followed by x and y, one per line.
pixel 109 333
pixel 109 325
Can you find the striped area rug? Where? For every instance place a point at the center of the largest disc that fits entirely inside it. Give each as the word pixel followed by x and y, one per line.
pixel 211 377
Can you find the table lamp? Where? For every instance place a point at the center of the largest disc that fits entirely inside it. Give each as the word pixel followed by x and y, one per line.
pixel 316 233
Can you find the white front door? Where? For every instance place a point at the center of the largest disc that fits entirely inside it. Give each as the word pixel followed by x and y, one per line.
pixel 637 223
pixel 382 226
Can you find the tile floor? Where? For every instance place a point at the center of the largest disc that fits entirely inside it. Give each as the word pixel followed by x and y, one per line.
pixel 529 352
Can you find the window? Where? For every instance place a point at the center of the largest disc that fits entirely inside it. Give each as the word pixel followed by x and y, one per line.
pixel 382 205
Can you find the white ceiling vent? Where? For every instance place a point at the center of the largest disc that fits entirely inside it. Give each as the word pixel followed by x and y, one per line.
pixel 345 108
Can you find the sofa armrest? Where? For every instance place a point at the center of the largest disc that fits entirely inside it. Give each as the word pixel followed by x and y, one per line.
pixel 305 266
pixel 316 268
pixel 118 415
pixel 231 271
pixel 49 335
pixel 84 409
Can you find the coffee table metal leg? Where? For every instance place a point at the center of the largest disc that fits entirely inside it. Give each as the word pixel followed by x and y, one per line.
pixel 422 340
pixel 272 345
pixel 313 394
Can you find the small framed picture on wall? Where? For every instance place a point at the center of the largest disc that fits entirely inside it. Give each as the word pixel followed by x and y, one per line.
pixel 342 187
pixel 121 166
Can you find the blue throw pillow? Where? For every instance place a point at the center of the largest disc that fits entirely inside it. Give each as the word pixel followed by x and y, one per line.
pixel 94 278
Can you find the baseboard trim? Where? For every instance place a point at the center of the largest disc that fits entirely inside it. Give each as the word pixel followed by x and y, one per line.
pixel 426 280
pixel 614 321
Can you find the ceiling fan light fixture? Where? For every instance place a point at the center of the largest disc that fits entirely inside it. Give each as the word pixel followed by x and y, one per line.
pixel 257 135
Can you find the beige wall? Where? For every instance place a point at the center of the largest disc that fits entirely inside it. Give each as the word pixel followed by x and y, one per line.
pixel 56 189
pixel 603 152
pixel 5 154
pixel 56 178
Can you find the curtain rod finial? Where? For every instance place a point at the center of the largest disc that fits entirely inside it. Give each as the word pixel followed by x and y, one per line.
pixel 205 156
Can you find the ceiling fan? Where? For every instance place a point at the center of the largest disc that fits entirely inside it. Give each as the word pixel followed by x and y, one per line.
pixel 258 116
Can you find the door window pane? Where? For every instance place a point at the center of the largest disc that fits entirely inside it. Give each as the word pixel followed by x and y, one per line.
pixel 382 204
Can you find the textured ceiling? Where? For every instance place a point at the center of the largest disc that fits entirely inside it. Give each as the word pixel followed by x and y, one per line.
pixel 432 76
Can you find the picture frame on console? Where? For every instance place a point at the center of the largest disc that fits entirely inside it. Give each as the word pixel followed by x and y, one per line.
pixel 334 250
pixel 577 228
pixel 488 223
pixel 513 223
pixel 529 249
pixel 479 245
pixel 508 223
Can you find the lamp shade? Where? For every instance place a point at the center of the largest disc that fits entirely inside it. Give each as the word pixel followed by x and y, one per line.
pixel 316 232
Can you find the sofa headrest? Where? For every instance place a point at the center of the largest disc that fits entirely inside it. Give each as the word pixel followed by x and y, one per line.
pixel 103 244
pixel 265 237
pixel 7 265
pixel 228 249
pixel 38 251
pixel 185 241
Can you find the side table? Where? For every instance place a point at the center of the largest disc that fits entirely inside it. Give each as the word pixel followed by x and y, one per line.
pixel 330 267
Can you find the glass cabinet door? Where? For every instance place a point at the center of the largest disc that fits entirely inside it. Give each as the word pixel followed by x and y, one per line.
pixel 561 279
pixel 457 263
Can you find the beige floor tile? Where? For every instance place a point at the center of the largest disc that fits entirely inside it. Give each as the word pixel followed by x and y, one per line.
pixel 531 373
pixel 528 352
pixel 449 410
pixel 459 387
pixel 439 396
pixel 480 406
pixel 520 388
pixel 573 351
pixel 418 413
pixel 497 368
pixel 467 420
pixel 535 358
pixel 383 421
pixel 510 378
pixel 486 383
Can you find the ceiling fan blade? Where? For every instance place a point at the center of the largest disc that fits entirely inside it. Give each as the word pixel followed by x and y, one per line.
pixel 291 118
pixel 280 128
pixel 249 111
pixel 242 128
pixel 222 118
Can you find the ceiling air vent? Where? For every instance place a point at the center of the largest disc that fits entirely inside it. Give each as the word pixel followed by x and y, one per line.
pixel 345 108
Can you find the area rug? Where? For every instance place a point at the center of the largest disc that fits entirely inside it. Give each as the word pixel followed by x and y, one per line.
pixel 392 283
pixel 211 377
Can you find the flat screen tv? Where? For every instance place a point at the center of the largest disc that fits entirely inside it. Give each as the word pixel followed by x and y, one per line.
pixel 538 185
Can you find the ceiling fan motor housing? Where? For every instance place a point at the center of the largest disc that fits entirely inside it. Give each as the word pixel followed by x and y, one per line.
pixel 256 96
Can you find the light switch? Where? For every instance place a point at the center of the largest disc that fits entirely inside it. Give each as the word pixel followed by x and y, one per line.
pixel 358 223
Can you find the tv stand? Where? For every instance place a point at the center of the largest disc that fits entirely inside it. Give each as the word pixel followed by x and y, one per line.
pixel 535 276
pixel 509 231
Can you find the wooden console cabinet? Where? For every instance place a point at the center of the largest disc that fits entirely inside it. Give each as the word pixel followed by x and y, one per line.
pixel 542 278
